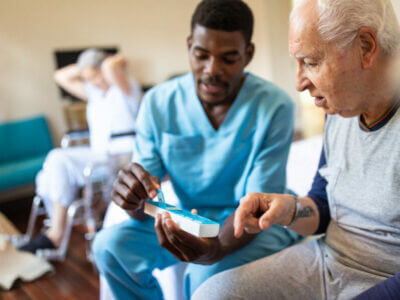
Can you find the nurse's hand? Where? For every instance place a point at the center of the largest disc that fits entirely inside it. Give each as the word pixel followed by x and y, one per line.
pixel 133 186
pixel 183 245
pixel 259 211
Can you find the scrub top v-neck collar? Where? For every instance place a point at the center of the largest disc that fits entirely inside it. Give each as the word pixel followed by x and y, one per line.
pixel 205 124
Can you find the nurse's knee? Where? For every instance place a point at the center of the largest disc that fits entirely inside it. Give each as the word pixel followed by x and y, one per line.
pixel 106 247
pixel 195 275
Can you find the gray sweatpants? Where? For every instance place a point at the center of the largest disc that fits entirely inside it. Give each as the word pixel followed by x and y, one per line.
pixel 311 270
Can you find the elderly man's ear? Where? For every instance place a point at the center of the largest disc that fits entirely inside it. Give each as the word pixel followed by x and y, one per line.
pixel 369 47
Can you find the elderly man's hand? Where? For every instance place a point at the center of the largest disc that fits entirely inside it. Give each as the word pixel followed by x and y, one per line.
pixel 183 245
pixel 133 186
pixel 259 211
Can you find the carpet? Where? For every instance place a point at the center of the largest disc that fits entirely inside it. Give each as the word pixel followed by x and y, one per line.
pixel 16 264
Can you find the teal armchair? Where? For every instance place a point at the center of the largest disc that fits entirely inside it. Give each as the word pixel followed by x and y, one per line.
pixel 24 146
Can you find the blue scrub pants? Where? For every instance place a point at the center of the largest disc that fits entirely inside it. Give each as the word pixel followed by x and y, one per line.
pixel 127 253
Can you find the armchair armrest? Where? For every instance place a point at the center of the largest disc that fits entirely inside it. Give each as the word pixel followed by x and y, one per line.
pixel 123 134
pixel 82 137
pixel 75 138
pixel 121 142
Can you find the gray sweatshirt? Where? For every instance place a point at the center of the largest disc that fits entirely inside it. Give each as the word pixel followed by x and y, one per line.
pixel 363 187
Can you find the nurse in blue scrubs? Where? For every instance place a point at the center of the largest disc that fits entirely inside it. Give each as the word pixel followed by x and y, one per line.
pixel 218 133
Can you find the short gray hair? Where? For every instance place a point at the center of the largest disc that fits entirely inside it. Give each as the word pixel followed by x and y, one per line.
pixel 91 58
pixel 340 21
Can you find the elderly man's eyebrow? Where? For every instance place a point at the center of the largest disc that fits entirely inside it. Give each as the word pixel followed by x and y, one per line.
pixel 304 56
pixel 200 49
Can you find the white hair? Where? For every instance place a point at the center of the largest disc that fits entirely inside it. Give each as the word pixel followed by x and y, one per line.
pixel 91 57
pixel 340 21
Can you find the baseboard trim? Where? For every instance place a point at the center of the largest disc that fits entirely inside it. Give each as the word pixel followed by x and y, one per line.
pixel 17 193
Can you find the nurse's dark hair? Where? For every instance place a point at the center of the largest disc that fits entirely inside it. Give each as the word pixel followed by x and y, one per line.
pixel 225 15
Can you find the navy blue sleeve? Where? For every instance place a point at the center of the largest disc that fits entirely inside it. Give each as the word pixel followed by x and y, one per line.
pixel 318 194
pixel 388 289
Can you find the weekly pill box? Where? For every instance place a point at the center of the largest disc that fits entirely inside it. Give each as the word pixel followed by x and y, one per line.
pixel 194 224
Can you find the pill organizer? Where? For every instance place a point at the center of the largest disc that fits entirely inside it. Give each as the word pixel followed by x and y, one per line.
pixel 194 224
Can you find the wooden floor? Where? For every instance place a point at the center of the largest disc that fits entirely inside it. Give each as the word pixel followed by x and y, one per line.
pixel 73 279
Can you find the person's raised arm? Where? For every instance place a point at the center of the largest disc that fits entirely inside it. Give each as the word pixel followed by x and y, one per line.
pixel 114 71
pixel 69 79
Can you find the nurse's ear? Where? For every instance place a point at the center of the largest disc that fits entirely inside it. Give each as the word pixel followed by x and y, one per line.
pixel 250 50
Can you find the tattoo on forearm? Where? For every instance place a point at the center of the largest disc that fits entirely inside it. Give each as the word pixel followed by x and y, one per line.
pixel 306 212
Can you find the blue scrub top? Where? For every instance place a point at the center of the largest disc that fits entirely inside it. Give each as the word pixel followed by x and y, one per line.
pixel 211 170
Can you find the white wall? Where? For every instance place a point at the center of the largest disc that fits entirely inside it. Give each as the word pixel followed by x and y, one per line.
pixel 396 5
pixel 152 33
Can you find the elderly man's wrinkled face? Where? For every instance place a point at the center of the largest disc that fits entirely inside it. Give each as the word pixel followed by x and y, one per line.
pixel 331 76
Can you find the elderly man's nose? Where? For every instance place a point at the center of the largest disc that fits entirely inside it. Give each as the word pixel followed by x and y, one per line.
pixel 302 82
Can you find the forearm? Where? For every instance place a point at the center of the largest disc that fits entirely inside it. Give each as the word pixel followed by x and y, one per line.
pixel 115 73
pixel 138 214
pixel 308 217
pixel 69 79
pixel 227 241
pixel 318 202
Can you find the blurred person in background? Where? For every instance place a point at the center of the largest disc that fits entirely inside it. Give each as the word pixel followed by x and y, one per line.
pixel 113 100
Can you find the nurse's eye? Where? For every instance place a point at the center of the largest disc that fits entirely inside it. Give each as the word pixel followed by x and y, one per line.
pixel 200 56
pixel 229 61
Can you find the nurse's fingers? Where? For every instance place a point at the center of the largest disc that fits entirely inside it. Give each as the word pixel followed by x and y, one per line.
pixel 145 179
pixel 156 180
pixel 178 238
pixel 122 203
pixel 163 240
pixel 128 194
pixel 132 183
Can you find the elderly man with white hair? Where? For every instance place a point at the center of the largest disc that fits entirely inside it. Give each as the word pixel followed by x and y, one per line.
pixel 346 53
